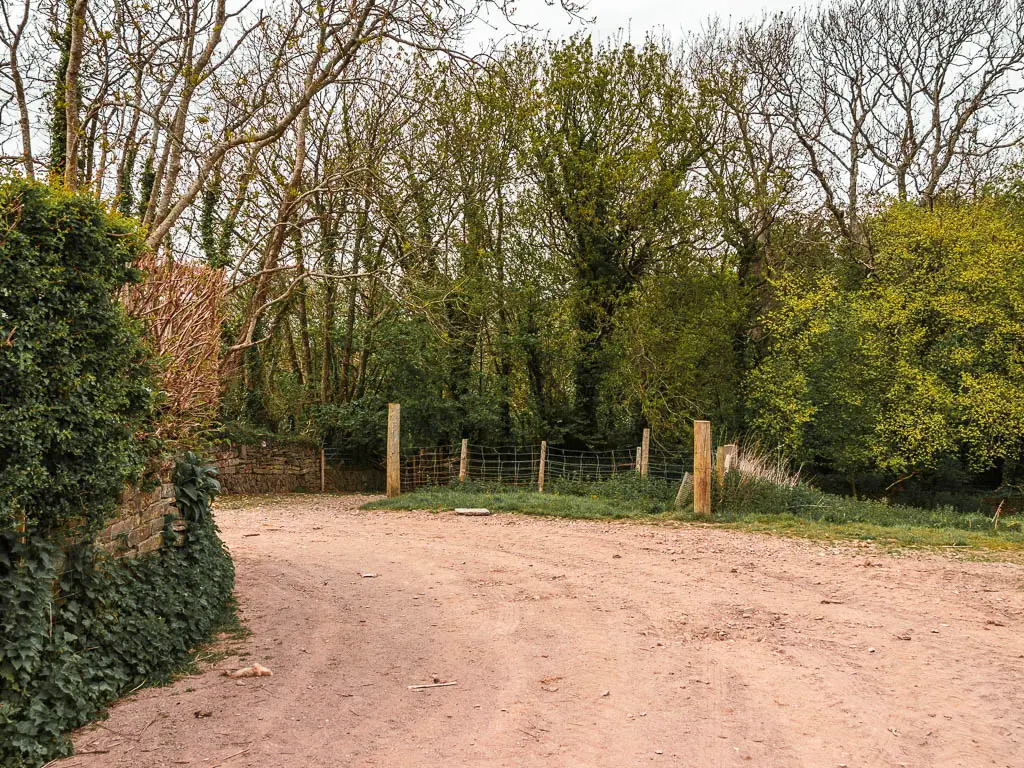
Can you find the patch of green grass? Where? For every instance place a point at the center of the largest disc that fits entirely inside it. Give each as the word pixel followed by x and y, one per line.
pixel 525 502
pixel 741 504
pixel 899 536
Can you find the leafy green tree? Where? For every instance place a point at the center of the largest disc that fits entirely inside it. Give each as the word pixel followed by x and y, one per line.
pixel 921 363
pixel 815 393
pixel 678 360
pixel 947 299
pixel 614 134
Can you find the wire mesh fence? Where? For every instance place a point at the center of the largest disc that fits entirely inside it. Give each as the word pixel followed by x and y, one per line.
pixel 536 465
pixel 589 466
pixel 669 465
pixel 429 466
pixel 516 465
pixel 520 465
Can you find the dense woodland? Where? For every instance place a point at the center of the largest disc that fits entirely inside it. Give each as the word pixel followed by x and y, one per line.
pixel 808 228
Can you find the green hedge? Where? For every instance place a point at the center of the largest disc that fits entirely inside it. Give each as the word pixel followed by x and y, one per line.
pixel 75 378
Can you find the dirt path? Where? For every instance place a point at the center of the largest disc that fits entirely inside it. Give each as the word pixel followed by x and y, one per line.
pixel 586 644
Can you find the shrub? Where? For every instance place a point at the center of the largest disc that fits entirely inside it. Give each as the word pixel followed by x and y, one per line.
pixel 356 430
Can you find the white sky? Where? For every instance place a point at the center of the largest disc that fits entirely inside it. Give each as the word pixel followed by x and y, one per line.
pixel 635 17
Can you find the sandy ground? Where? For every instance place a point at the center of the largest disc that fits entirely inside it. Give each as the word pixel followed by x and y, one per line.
pixel 585 644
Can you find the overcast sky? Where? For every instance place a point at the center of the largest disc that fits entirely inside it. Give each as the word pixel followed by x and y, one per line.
pixel 635 17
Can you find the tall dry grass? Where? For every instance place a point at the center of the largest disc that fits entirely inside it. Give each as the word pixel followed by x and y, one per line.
pixel 756 463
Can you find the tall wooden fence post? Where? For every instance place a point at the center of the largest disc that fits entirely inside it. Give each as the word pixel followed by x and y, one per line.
pixel 724 461
pixel 645 454
pixel 702 468
pixel 323 470
pixel 464 460
pixel 543 465
pixel 394 450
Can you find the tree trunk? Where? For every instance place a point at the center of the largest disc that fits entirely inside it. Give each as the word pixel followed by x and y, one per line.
pixel 71 87
pixel 306 359
pixel 286 211
pixel 24 121
pixel 350 319
pixel 329 246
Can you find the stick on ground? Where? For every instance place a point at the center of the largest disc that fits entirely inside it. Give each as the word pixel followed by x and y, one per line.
pixel 431 685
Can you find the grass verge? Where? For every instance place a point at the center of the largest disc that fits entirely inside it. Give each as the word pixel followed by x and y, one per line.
pixel 801 511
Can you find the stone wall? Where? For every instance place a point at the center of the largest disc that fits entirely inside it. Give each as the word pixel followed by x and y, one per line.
pixel 268 468
pixel 286 468
pixel 138 524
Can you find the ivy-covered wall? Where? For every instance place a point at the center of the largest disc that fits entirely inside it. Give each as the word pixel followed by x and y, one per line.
pixel 80 627
pixel 137 525
pixel 79 623
pixel 77 392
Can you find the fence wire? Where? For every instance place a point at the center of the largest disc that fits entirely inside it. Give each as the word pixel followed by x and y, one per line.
pixel 516 465
pixel 429 466
pixel 669 465
pixel 519 465
pixel 588 466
